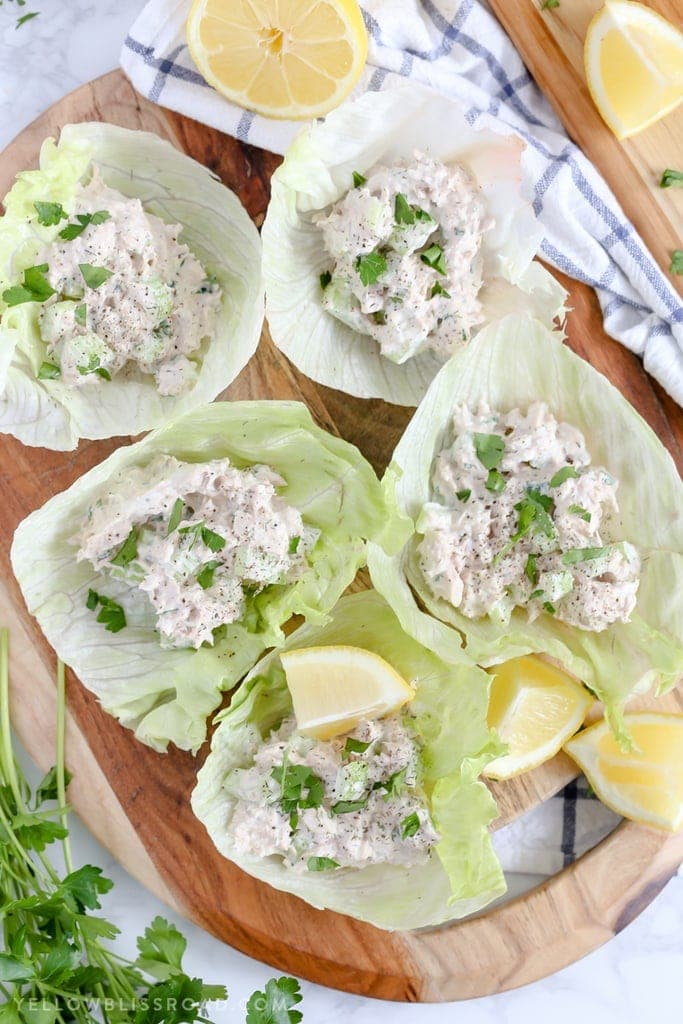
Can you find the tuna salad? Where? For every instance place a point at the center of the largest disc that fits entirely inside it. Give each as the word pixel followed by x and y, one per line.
pixel 405 262
pixel 198 539
pixel 351 801
pixel 520 517
pixel 120 294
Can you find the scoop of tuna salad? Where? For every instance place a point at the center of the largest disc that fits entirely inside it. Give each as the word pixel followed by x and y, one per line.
pixel 119 293
pixel 520 517
pixel 348 802
pixel 405 263
pixel 198 539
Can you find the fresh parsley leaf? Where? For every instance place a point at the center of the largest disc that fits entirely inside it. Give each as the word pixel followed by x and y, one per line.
pixel 94 276
pixel 489 449
pixel 495 481
pixel 370 267
pixel 161 949
pixel 205 574
pixel 575 555
pixel 26 17
pixel 536 594
pixel 48 371
pixel 581 512
pixel 81 314
pixel 321 864
pixel 438 289
pixel 50 214
pixel 421 214
pixel 671 179
pixel 213 541
pixel 348 806
pixel 533 516
pixel 358 179
pixel 410 825
pixel 35 832
pixel 35 288
pixel 275 1004
pixel 47 787
pixel 74 229
pixel 434 258
pixel 84 887
pixel 394 785
pixel 530 570
pixel 93 366
pixel 464 495
pixel 300 788
pixel 354 746
pixel 325 279
pixel 676 261
pixel 549 608
pixel 563 474
pixel 13 969
pixel 403 211
pixel 111 614
pixel 176 516
pixel 128 550
pixel 294 545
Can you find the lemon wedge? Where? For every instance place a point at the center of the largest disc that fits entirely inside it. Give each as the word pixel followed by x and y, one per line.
pixel 281 58
pixel 646 783
pixel 534 707
pixel 333 688
pixel 634 66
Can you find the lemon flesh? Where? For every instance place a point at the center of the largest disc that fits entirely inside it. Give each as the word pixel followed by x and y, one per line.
pixel 634 66
pixel 646 783
pixel 534 707
pixel 281 58
pixel 334 688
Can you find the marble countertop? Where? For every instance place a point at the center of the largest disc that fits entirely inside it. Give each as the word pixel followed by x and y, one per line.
pixel 635 979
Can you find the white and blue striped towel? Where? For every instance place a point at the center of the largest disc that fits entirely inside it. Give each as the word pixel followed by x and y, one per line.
pixel 458 48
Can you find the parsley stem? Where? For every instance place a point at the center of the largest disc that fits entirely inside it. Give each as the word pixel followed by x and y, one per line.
pixel 61 786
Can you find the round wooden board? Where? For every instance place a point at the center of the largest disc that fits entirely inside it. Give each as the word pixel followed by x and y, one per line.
pixel 137 802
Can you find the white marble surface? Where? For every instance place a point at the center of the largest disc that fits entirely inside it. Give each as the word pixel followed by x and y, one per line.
pixel 634 980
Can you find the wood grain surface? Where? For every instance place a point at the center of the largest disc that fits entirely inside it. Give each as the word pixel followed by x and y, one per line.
pixel 550 42
pixel 137 802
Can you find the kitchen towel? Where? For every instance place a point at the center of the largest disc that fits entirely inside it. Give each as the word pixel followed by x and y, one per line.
pixel 458 48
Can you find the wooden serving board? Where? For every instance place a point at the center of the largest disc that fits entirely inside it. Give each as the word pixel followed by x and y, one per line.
pixel 550 42
pixel 137 801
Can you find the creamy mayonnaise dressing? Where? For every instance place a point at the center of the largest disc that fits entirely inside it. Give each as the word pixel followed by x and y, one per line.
pixel 405 259
pixel 364 806
pixel 198 539
pixel 150 315
pixel 520 517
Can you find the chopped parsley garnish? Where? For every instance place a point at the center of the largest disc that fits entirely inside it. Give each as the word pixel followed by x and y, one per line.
pixel 533 516
pixel 581 512
pixel 563 474
pixel 294 545
pixel 81 314
pixel 50 214
pixel 48 371
pixel 93 366
pixel 353 746
pixel 94 276
pixel 421 214
pixel 176 516
pixel 26 17
pixel 434 258
pixel 370 267
pixel 300 788
pixel 325 279
pixel 213 541
pixel 74 229
pixel 348 806
pixel 536 594
pixel 575 555
pixel 671 179
pixel 128 550
pixel 358 179
pixel 495 481
pixel 489 449
pixel 410 825
pixel 111 614
pixel 163 329
pixel 394 785
pixel 205 574
pixel 35 288
pixel 403 211
pixel 321 864
pixel 530 570
pixel 438 289
pixel 676 261
pixel 463 495
pixel 379 317
pixel 549 608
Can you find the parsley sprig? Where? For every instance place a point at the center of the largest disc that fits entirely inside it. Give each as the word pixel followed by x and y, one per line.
pixel 56 965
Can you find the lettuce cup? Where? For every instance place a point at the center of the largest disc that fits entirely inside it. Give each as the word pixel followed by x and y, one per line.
pixel 162 574
pixel 130 288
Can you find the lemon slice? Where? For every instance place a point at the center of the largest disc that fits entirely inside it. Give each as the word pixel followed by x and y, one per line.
pixel 534 707
pixel 333 688
pixel 282 58
pixel 634 66
pixel 645 784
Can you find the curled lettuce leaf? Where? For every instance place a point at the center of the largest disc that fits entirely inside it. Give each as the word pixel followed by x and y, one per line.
pixel 215 227
pixel 317 170
pixel 450 717
pixel 166 695
pixel 512 364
